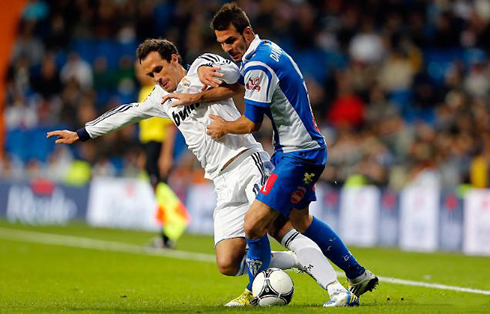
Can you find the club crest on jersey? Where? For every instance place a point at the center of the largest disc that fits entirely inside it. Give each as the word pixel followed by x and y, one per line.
pixel 298 195
pixel 253 84
pixel 308 178
pixel 186 84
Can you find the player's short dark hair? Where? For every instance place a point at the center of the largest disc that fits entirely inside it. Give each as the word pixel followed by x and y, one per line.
pixel 164 47
pixel 230 14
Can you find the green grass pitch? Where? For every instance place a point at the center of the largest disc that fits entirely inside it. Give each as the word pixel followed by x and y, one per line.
pixel 41 277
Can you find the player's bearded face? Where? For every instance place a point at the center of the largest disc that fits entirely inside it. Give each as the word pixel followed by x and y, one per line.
pixel 162 72
pixel 232 42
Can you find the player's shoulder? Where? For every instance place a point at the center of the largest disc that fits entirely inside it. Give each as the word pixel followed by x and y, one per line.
pixel 209 59
pixel 267 54
pixel 214 58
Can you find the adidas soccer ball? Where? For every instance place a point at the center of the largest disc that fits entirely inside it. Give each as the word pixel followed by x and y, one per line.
pixel 273 287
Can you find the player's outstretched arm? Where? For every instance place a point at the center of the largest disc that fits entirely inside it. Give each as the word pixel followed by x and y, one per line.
pixel 110 121
pixel 64 136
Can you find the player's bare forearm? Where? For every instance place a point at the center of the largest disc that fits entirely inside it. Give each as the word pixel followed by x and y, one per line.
pixel 220 127
pixel 241 126
pixel 213 94
pixel 222 92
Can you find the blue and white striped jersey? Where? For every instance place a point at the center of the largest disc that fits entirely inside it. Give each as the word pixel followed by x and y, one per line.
pixel 273 81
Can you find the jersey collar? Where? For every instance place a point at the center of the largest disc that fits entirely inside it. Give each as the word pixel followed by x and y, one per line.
pixel 251 49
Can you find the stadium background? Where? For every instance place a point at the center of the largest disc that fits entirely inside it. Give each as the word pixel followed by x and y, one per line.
pixel 399 89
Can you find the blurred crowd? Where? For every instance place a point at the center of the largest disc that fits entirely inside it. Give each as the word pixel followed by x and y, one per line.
pixel 399 87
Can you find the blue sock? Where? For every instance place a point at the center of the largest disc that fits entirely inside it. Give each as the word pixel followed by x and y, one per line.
pixel 258 257
pixel 334 248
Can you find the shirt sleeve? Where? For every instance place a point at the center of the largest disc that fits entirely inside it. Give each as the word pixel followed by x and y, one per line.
pixel 230 70
pixel 254 113
pixel 260 82
pixel 124 115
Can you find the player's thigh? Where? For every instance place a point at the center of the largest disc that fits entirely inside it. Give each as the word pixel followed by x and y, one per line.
pixel 258 219
pixel 232 205
pixel 228 221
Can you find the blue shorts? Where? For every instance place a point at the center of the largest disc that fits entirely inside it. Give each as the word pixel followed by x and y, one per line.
pixel 292 183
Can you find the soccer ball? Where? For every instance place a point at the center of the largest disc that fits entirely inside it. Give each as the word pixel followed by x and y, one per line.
pixel 273 287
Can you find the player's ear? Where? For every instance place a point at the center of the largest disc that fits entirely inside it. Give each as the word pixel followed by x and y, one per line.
pixel 175 58
pixel 248 33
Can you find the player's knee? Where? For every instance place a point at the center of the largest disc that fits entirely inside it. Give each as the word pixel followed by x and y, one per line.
pixel 253 230
pixel 227 266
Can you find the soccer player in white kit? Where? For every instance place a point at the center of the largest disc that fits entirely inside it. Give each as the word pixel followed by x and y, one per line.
pixel 237 164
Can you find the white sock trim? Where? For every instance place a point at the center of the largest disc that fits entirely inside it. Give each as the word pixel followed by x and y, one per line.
pixel 243 266
pixel 288 237
pixel 335 287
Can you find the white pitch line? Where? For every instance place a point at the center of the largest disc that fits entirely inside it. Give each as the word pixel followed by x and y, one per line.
pixel 431 285
pixel 101 245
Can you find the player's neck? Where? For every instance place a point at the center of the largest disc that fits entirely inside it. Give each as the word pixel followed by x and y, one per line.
pixel 181 72
pixel 249 38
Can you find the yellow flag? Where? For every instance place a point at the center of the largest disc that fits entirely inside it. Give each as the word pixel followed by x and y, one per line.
pixel 171 212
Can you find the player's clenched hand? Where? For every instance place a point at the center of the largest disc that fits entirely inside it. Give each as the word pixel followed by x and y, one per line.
pixel 180 99
pixel 209 76
pixel 64 137
pixel 216 129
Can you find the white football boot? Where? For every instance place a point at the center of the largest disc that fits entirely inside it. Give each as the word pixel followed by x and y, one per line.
pixel 364 283
pixel 342 297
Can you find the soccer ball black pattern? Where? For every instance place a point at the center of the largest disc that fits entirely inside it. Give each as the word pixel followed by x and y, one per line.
pixel 273 287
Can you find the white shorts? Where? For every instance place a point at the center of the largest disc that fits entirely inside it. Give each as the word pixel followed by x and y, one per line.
pixel 236 188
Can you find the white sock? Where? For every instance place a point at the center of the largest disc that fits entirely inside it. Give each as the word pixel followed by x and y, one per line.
pixel 284 260
pixel 335 288
pixel 310 257
pixel 243 266
pixel 279 259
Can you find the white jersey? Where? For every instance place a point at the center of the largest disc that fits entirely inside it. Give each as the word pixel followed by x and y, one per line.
pixel 191 120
